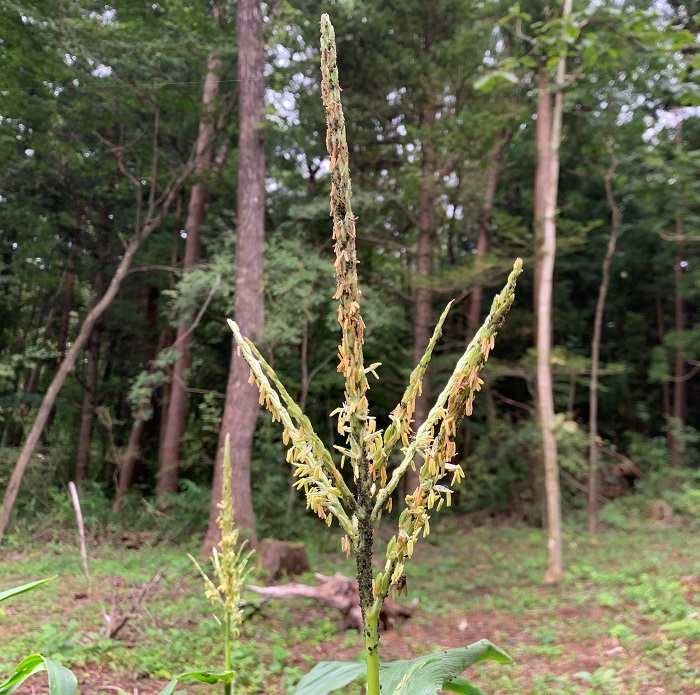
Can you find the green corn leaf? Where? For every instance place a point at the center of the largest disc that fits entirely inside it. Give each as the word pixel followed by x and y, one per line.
pixel 208 677
pixel 461 686
pixel 327 676
pixel 426 675
pixel 61 680
pixel 4 595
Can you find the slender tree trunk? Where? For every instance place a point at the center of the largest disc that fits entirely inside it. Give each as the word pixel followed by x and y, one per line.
pixel 483 240
pixel 153 221
pixel 125 474
pixel 665 386
pixel 545 399
pixel 241 405
pixel 89 406
pixel 169 458
pixel 595 347
pixel 543 129
pixel 169 333
pixel 679 378
pixel 62 342
pixel 423 295
pixel 127 469
pixel 87 415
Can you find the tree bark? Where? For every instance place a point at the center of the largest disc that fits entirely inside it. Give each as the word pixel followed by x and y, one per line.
pixel 241 404
pixel 545 398
pixel 595 347
pixel 87 413
pixel 665 386
pixel 543 129
pixel 127 469
pixel 483 240
pixel 153 221
pixel 169 455
pixel 423 295
pixel 679 377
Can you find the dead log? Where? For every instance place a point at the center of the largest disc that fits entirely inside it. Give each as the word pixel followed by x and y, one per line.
pixel 279 557
pixel 341 593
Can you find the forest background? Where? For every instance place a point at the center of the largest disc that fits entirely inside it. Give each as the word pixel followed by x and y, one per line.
pixel 126 133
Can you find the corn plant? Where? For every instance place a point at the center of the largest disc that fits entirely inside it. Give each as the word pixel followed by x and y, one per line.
pixel 61 680
pixel 368 451
pixel 230 570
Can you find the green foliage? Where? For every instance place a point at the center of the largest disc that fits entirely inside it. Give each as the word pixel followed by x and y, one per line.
pixel 61 680
pixel 426 675
pixel 200 676
pixel 9 593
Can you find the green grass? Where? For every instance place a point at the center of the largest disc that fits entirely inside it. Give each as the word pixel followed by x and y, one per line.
pixel 623 621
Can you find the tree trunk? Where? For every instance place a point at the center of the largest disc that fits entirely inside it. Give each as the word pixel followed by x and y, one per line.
pixel 169 455
pixel 545 398
pixel 595 348
pixel 665 386
pixel 543 128
pixel 87 415
pixel 241 405
pixel 423 295
pixel 169 333
pixel 89 406
pixel 65 326
pixel 125 473
pixel 679 377
pixel 483 240
pixel 127 469
pixel 153 221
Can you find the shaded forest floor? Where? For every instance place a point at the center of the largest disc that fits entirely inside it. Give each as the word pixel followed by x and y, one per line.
pixel 626 619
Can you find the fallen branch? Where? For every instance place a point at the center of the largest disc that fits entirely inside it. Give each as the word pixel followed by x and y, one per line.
pixel 117 618
pixel 341 593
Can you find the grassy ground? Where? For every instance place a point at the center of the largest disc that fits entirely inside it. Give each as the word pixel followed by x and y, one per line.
pixel 626 620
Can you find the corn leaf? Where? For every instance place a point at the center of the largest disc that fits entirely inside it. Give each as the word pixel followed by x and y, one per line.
pixel 426 675
pixel 327 676
pixel 4 595
pixel 208 677
pixel 61 680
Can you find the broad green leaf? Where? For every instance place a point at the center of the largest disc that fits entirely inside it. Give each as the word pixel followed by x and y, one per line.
pixel 461 686
pixel 327 676
pixel 4 595
pixel 208 677
pixel 61 680
pixel 426 675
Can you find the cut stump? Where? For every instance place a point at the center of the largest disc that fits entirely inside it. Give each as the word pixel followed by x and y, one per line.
pixel 279 557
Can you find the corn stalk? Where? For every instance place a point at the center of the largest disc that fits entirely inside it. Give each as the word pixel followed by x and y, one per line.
pixel 368 451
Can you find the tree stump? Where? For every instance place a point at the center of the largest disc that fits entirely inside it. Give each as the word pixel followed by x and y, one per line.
pixel 279 557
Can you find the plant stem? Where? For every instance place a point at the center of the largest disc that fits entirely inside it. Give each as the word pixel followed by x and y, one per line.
pixel 227 649
pixel 372 651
